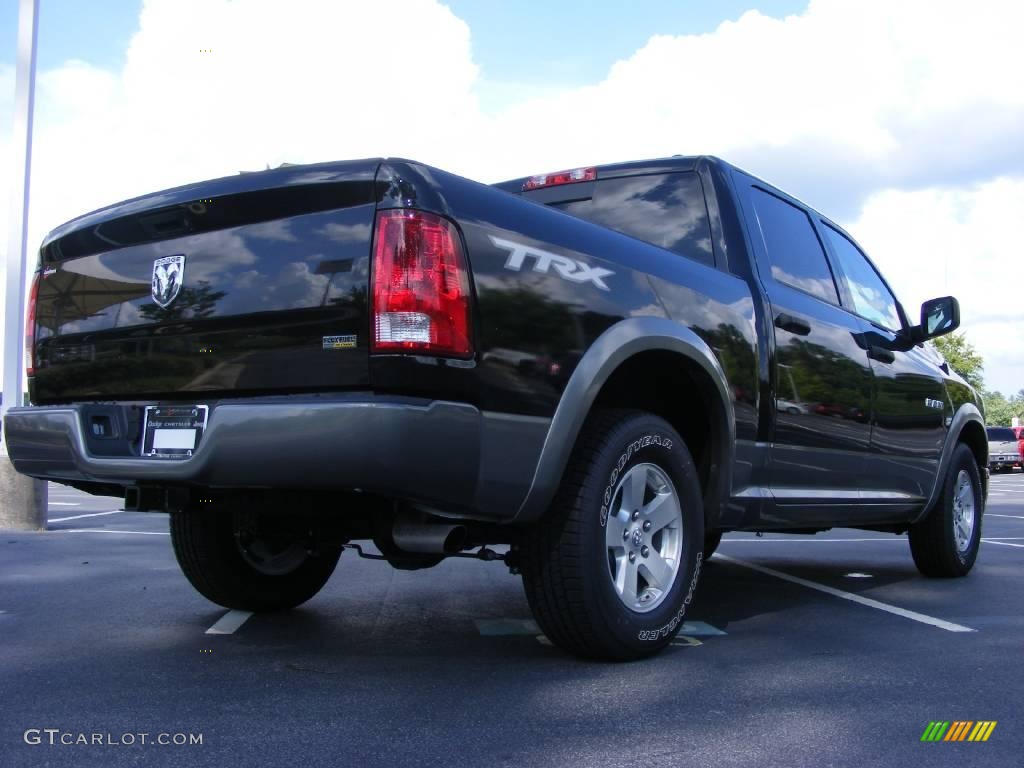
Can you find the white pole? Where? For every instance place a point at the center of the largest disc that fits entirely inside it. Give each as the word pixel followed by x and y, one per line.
pixel 17 269
pixel 23 500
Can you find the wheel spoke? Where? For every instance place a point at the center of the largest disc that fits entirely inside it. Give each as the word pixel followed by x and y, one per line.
pixel 615 526
pixel 961 493
pixel 633 489
pixel 662 510
pixel 626 579
pixel 656 570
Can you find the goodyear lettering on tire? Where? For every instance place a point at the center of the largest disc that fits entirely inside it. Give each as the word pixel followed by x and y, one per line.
pixel 613 478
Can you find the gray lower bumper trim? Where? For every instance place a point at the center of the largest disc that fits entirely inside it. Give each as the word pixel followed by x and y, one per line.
pixel 423 450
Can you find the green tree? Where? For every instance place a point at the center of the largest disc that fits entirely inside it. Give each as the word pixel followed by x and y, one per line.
pixel 962 358
pixel 999 411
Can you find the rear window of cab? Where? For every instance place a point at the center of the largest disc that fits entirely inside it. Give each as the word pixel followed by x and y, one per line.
pixel 665 209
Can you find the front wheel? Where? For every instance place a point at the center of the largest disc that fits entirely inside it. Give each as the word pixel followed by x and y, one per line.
pixel 248 562
pixel 611 569
pixel 946 542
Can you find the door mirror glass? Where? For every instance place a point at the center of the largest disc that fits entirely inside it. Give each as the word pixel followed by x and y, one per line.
pixel 939 317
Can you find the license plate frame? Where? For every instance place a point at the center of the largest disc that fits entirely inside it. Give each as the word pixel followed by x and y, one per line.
pixel 173 431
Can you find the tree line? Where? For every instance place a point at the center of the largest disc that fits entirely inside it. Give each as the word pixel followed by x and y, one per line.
pixel 965 360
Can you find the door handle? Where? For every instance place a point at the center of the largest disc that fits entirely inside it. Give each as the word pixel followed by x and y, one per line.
pixel 881 354
pixel 792 324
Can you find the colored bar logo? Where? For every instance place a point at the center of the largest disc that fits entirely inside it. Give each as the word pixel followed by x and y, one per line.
pixel 959 730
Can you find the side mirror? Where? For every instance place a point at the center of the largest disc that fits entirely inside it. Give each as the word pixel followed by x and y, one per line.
pixel 938 317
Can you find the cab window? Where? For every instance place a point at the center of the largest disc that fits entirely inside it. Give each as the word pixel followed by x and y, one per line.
pixel 664 209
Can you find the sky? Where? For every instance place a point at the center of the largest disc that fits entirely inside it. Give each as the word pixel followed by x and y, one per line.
pixel 903 121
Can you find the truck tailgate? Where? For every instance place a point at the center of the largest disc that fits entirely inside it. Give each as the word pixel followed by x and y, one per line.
pixel 253 284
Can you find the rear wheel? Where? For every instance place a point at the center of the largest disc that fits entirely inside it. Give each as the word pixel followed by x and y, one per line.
pixel 946 542
pixel 610 570
pixel 245 562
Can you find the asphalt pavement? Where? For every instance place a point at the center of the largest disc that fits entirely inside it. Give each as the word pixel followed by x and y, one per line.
pixel 826 650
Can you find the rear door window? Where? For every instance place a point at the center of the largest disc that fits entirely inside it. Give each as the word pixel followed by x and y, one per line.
pixel 666 210
pixel 794 251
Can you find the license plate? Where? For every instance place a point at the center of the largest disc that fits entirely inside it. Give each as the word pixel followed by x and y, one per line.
pixel 173 431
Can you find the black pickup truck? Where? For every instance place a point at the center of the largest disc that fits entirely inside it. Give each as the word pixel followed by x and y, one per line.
pixel 596 371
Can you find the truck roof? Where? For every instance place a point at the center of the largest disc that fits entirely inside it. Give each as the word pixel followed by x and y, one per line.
pixel 612 170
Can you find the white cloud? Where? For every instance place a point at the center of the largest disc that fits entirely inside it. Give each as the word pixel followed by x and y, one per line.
pixel 922 99
pixel 843 99
pixel 964 242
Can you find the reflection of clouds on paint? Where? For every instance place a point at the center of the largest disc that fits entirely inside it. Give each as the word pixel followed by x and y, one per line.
pixel 79 326
pixel 129 315
pixel 96 268
pixel 649 310
pixel 694 308
pixel 279 229
pixel 207 256
pixel 214 253
pixel 361 268
pixel 346 233
pixel 247 280
pixel 296 286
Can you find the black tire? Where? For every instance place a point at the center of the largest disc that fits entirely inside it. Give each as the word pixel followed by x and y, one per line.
pixel 212 559
pixel 711 541
pixel 934 540
pixel 566 564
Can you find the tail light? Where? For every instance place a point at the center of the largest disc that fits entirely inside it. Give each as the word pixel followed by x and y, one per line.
pixel 561 177
pixel 420 285
pixel 30 328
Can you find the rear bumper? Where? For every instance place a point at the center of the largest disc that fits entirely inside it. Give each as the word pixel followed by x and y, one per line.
pixel 1004 458
pixel 437 452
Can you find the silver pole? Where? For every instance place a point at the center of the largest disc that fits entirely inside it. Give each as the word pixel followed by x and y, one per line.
pixel 17 269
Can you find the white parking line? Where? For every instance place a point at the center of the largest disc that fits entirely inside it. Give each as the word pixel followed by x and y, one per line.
pixel 912 615
pixel 1015 517
pixel 65 503
pixel 1003 543
pixel 806 540
pixel 79 517
pixel 229 622
pixel 108 530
